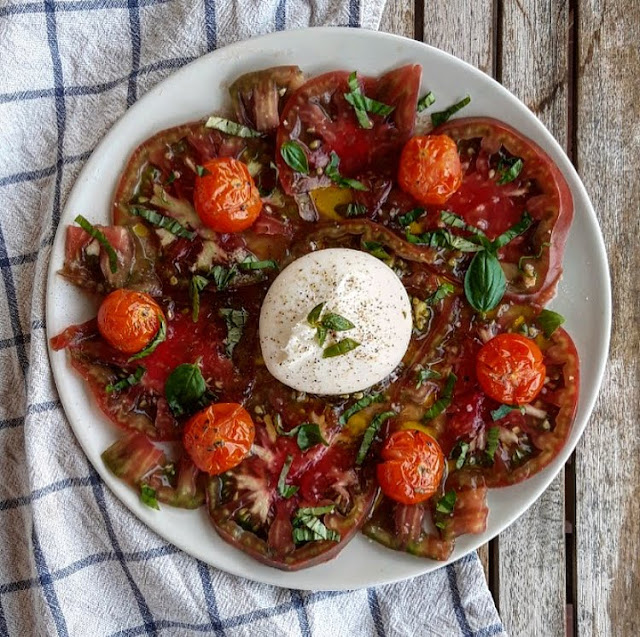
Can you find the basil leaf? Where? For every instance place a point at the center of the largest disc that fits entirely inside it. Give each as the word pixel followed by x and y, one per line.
pixel 303 534
pixel 231 128
pixel 251 263
pixel 446 503
pixel 314 316
pixel 222 276
pixel 376 249
pixel 332 171
pixel 307 434
pixel 319 530
pixel 462 456
pixel 340 348
pixel 484 282
pixel 512 173
pixel 129 381
pixel 321 334
pixel 549 321
pixel 171 178
pixel 295 157
pixel 336 323
pixel 425 101
pixel 408 218
pixel 440 117
pixel 546 244
pixel 370 432
pixel 361 103
pixel 160 336
pixel 305 512
pixel 503 410
pixel 308 527
pixel 235 320
pixel 284 489
pixel 101 239
pixel 359 406
pixel 517 229
pixel 196 285
pixel 444 400
pixel 201 171
pixel 493 436
pixel 442 238
pixel 424 375
pixel 148 496
pixel 351 210
pixel 184 388
pixel 455 221
pixel 443 291
pixel 162 221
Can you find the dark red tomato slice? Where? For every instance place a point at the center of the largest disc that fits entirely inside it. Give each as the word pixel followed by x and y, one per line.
pixel 487 148
pixel 319 118
pixel 248 508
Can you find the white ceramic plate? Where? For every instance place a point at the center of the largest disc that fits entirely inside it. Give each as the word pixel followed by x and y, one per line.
pixel 200 88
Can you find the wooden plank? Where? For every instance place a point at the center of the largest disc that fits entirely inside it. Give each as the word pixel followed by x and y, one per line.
pixel 607 459
pixel 463 28
pixel 483 556
pixel 532 575
pixel 399 17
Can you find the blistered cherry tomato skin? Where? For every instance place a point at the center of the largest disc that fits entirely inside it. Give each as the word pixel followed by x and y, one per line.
pixel 226 197
pixel 510 369
pixel 430 169
pixel 219 437
pixel 412 468
pixel 129 320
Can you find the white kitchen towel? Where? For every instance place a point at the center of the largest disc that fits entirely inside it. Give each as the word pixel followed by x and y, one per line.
pixel 73 560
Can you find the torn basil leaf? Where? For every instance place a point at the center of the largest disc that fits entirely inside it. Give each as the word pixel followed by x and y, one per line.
pixel 295 157
pixel 462 449
pixel 235 320
pixel 370 432
pixel 231 128
pixel 184 389
pixel 307 435
pixel 222 276
pixel 336 322
pixel 444 400
pixel 332 171
pixel 408 218
pixel 129 381
pixel 549 321
pixel 162 221
pixel 99 236
pixel 440 117
pixel 443 291
pixel 284 489
pixel 340 348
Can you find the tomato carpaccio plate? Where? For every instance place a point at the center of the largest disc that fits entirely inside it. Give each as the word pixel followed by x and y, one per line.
pixel 324 153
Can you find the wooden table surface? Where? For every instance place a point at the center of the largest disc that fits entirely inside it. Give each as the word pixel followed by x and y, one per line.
pixel 571 564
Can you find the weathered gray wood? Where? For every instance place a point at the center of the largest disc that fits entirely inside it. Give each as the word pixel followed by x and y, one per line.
pixel 399 18
pixel 461 27
pixel 532 574
pixel 608 458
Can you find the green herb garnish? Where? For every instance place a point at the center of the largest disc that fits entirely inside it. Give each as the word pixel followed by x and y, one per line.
pixel 284 489
pixel 129 381
pixel 148 496
pixel 308 527
pixel 353 210
pixel 442 238
pixel 99 236
pixel 462 455
pixel 446 503
pixel 442 292
pixel 444 400
pixel 408 218
pixel 484 282
pixel 222 276
pixel 440 117
pixel 370 432
pixel 160 336
pixel 517 229
pixel 549 321
pixel 425 101
pixel 510 173
pixel 231 128
pixel 376 249
pixel 493 436
pixel 201 171
pixel 424 375
pixel 235 320
pixel 546 244
pixel 332 171
pixel 359 406
pixel 295 157
pixel 307 435
pixel 196 285
pixel 363 104
pixel 503 410
pixel 340 348
pixel 251 263
pixel 162 221
pixel 185 388
pixel 330 321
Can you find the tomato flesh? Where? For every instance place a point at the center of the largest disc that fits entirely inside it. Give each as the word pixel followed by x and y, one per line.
pixel 510 369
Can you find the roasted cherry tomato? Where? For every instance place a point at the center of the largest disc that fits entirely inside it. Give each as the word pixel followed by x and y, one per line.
pixel 225 197
pixel 129 320
pixel 219 437
pixel 430 169
pixel 413 466
pixel 510 369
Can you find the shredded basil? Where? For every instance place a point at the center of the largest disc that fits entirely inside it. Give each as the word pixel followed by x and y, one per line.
pixel 222 276
pixel 443 291
pixel 370 432
pixel 425 101
pixel 517 229
pixel 510 173
pixel 148 496
pixel 235 320
pixel 129 381
pixel 444 400
pixel 549 321
pixel 352 210
pixel 185 388
pixel 231 128
pixel 201 171
pixel 363 104
pixel 284 489
pixel 308 527
pixel 453 220
pixel 160 336
pixel 408 218
pixel 493 436
pixel 424 375
pixel 376 249
pixel 503 410
pixel 340 348
pixel 332 171
pixel 484 282
pixel 359 406
pixel 442 238
pixel 90 229
pixel 295 157
pixel 546 244
pixel 463 448
pixel 440 117
pixel 307 434
pixel 446 503
pixel 162 221
pixel 251 263
pixel 196 285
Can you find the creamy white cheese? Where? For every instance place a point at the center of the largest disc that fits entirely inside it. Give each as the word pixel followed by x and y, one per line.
pixel 354 285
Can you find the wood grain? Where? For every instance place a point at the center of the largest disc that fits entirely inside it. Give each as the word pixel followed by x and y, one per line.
pixel 399 18
pixel 608 457
pixel 532 573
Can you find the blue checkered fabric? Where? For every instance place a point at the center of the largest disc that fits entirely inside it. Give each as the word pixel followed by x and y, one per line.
pixel 73 560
